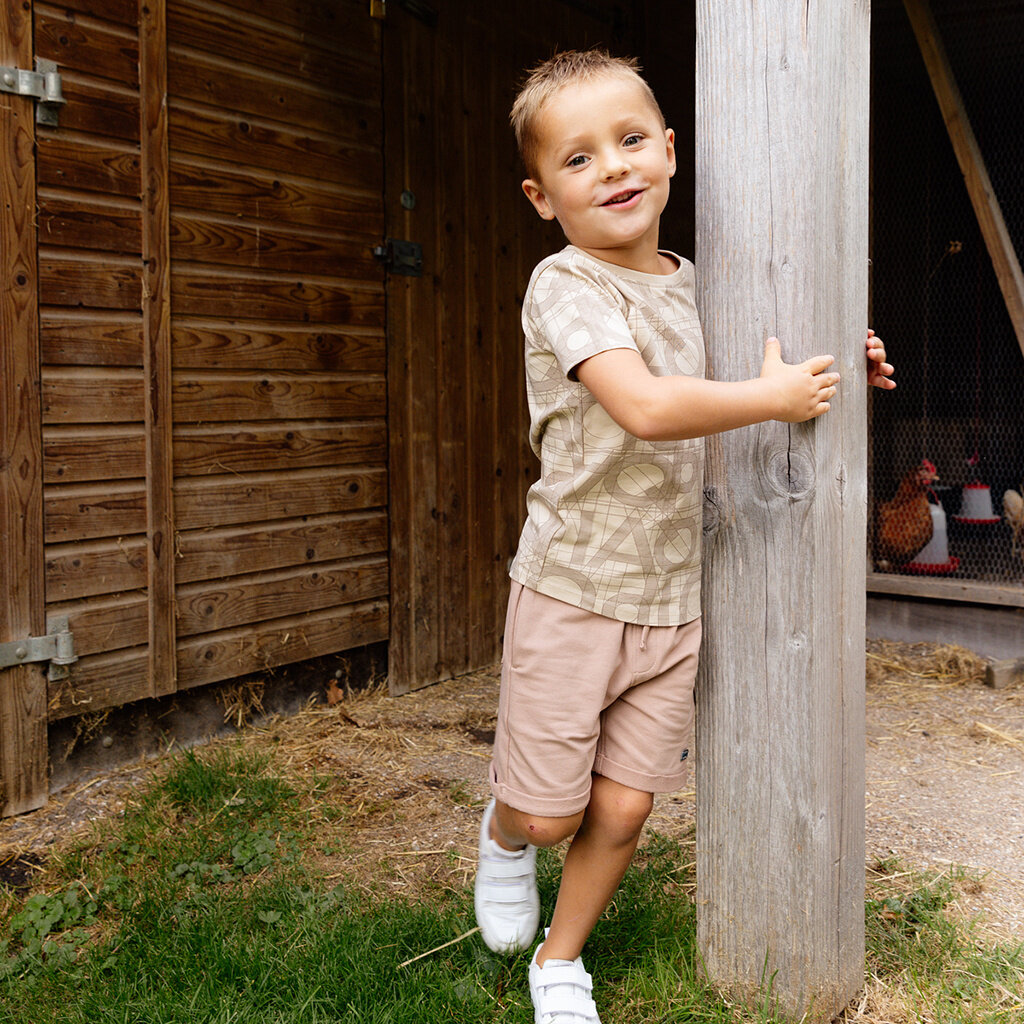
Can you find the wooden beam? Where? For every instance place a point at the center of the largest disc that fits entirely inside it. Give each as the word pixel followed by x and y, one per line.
pixel 156 352
pixel 782 249
pixel 972 163
pixel 23 718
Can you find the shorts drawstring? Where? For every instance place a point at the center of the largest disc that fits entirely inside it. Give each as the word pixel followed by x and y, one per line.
pixel 643 638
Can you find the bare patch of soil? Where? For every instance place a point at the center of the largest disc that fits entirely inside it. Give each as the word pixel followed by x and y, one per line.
pixel 402 782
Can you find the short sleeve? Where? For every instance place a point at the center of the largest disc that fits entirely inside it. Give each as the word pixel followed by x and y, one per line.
pixel 574 313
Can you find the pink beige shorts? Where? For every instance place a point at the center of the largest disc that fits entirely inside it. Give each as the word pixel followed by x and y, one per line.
pixel 582 694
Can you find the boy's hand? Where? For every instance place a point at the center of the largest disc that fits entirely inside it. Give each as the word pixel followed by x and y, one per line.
pixel 802 391
pixel 879 371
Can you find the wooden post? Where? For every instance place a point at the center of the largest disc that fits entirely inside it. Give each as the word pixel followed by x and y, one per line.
pixel 782 249
pixel 23 749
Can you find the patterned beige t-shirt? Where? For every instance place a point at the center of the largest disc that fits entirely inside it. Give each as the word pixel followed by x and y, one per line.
pixel 614 523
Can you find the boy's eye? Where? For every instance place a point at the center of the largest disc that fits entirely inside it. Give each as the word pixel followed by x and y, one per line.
pixel 632 140
pixel 576 161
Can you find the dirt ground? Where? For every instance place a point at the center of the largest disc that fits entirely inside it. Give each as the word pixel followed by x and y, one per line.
pixel 945 781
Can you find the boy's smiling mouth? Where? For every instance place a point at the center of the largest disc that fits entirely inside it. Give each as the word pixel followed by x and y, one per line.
pixel 622 197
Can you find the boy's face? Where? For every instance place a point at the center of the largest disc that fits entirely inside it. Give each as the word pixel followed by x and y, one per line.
pixel 603 168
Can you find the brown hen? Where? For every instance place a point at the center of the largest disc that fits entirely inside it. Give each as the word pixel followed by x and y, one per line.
pixel 904 525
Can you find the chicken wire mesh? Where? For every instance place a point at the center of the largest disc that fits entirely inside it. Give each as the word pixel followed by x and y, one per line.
pixel 937 303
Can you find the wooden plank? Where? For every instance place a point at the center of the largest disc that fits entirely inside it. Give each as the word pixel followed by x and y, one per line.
pixel 105 623
pixel 250 649
pixel 156 349
pixel 86 568
pixel 228 137
pixel 205 292
pixel 90 511
pixel 221 604
pixel 79 222
pixel 228 86
pixel 23 750
pixel 123 12
pixel 99 108
pixel 219 501
pixel 236 37
pixel 268 246
pixel 197 185
pixel 946 590
pixel 79 279
pixel 92 395
pixel 232 551
pixel 261 447
pixel 341 27
pixel 453 366
pixel 101 681
pixel 414 654
pixel 88 45
pixel 78 454
pixel 213 344
pixel 972 163
pixel 70 160
pixel 87 338
pixel 782 159
pixel 282 395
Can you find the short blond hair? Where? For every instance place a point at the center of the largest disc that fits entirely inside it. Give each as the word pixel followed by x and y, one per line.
pixel 565 68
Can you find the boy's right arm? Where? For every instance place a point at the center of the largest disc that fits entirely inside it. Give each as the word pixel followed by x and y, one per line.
pixel 675 408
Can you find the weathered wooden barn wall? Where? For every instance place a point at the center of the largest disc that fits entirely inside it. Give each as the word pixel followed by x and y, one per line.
pixel 225 367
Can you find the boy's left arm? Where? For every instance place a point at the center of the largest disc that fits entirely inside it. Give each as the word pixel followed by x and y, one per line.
pixel 879 371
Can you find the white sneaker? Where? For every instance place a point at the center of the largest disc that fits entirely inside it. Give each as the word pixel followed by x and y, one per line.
pixel 560 991
pixel 505 895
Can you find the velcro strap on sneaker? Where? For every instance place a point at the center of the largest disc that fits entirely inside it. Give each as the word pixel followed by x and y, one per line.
pixel 506 868
pixel 565 974
pixel 573 1007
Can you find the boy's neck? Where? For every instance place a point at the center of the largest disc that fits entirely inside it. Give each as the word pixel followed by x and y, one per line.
pixel 645 260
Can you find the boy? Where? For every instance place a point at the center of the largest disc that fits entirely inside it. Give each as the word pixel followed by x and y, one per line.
pixel 603 625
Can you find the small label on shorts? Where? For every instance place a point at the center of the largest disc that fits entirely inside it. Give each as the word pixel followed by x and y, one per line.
pixel 685 754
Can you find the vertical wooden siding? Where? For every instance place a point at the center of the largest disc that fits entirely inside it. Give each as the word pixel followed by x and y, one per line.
pixel 23 751
pixel 206 237
pixel 460 460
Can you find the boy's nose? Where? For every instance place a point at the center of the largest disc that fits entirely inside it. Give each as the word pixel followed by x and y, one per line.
pixel 614 165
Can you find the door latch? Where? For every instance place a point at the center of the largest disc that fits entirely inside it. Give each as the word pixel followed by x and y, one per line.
pixel 401 257
pixel 42 85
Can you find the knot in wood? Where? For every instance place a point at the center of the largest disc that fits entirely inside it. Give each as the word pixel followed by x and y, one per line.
pixel 713 512
pixel 789 471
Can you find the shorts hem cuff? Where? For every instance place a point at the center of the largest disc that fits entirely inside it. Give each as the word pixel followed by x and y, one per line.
pixel 544 806
pixel 643 781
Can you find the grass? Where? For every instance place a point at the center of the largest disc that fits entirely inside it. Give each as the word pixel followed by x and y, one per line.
pixel 202 905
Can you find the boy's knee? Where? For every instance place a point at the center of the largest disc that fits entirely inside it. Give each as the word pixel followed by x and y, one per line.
pixel 622 811
pixel 541 831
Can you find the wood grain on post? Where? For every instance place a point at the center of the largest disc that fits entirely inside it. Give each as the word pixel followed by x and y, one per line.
pixel 23 742
pixel 782 249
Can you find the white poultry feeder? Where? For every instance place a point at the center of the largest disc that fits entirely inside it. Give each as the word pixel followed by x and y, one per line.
pixel 976 505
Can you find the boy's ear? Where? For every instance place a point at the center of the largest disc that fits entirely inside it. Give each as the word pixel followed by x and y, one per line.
pixel 670 142
pixel 535 194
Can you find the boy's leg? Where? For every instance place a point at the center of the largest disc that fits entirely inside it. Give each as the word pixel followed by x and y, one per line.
pixel 594 865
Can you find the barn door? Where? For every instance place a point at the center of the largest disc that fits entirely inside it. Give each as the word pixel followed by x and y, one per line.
pixel 460 463
pixel 193 472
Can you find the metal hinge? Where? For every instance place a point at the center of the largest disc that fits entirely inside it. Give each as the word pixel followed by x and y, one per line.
pixel 57 647
pixel 42 85
pixel 401 257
